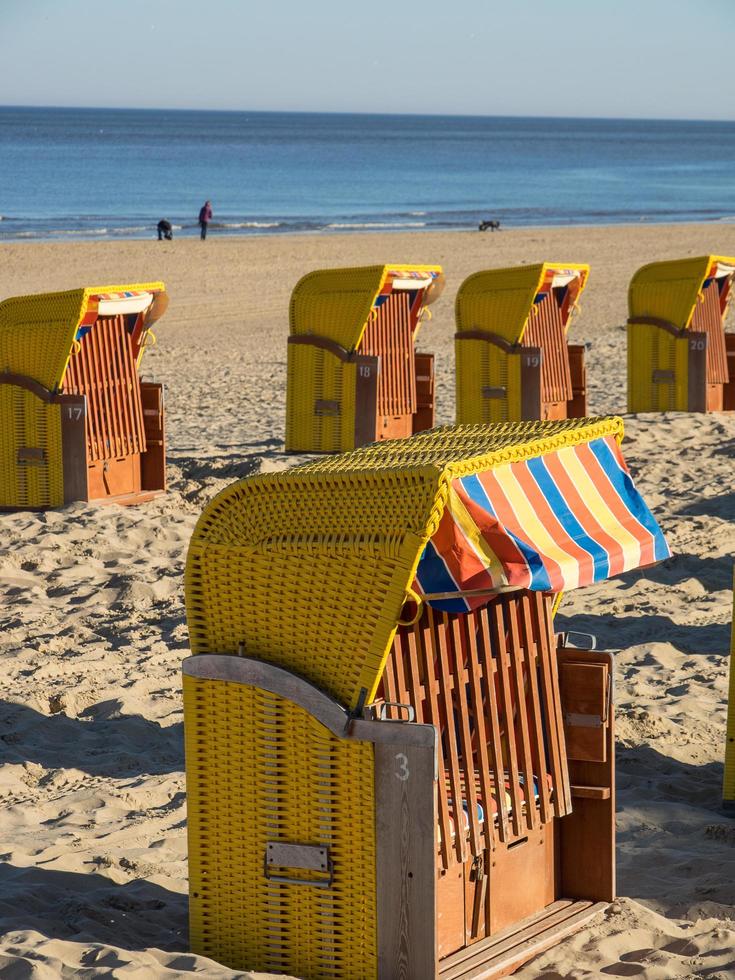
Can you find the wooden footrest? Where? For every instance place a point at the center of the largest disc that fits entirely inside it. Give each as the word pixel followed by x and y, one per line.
pixel 500 955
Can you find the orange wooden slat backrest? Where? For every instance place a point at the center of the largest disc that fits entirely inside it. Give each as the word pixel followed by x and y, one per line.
pixel 104 370
pixel 707 318
pixel 546 330
pixel 389 336
pixel 487 680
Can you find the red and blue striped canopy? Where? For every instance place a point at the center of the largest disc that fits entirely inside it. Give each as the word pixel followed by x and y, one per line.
pixel 551 523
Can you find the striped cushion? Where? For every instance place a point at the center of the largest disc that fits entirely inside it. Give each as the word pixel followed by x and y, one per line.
pixel 481 809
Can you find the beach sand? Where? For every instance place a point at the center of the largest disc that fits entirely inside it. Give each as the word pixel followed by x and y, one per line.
pixel 92 626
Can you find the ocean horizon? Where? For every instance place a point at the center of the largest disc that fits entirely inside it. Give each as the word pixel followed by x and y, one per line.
pixel 69 174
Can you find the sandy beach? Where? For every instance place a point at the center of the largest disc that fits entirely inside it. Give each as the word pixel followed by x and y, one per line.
pixel 93 873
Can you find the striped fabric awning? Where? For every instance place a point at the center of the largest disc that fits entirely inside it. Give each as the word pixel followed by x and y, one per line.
pixel 111 304
pixel 550 523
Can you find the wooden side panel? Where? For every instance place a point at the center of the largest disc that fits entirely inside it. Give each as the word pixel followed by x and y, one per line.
pixel 74 447
pixel 715 397
pixel 728 397
pixel 406 814
pixel 532 360
pixel 577 406
pixel 367 372
pixel 587 835
pixel 114 477
pixel 450 923
pixel 698 344
pixel 153 461
pixel 424 415
pixel 522 878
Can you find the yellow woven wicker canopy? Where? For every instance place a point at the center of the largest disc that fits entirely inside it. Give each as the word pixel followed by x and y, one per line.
pixel 37 332
pixel 500 300
pixel 309 569
pixel 669 290
pixel 336 303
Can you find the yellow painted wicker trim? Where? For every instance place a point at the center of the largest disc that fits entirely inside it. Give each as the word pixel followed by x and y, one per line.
pixel 325 603
pixel 728 793
pixel 500 300
pixel 669 290
pixel 259 768
pixel 37 332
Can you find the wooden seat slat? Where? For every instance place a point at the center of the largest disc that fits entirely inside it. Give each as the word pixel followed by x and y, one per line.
pixel 460 708
pixel 424 640
pixel 522 718
pixel 495 744
pixel 449 730
pixel 508 739
pixel 482 736
pixel 536 716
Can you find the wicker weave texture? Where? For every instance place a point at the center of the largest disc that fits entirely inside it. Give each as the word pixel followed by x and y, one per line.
pixel 261 769
pixel 37 332
pixel 28 422
pixel 335 303
pixel 651 349
pixel 316 375
pixel 309 568
pixel 480 366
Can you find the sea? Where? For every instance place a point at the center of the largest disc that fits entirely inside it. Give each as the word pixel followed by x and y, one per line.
pixel 69 174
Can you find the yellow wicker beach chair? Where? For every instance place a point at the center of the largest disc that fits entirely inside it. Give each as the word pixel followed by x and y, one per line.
pixel 353 374
pixel 679 357
pixel 513 361
pixel 394 767
pixel 728 791
pixel 76 422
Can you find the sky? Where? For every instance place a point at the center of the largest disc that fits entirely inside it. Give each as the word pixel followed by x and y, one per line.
pixel 604 58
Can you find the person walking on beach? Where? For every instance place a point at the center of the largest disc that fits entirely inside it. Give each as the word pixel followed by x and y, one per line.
pixel 205 216
pixel 165 230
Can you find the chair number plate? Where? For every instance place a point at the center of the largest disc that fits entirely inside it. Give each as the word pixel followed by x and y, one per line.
pixel 532 360
pixel 365 370
pixel 403 771
pixel 74 412
pixel 697 343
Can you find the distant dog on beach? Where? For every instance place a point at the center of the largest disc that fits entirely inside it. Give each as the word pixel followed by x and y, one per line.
pixel 489 226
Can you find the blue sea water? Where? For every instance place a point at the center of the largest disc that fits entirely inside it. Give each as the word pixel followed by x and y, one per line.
pixel 101 173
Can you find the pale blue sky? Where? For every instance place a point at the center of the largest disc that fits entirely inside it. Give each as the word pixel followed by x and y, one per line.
pixel 627 58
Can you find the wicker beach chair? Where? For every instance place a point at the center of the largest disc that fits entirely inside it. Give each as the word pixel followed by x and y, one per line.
pixel 513 361
pixel 76 422
pixel 679 356
pixel 353 374
pixel 394 767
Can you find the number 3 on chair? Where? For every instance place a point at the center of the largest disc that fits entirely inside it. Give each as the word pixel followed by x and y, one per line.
pixel 403 771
